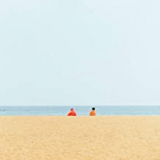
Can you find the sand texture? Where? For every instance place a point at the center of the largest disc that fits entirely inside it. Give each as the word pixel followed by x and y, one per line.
pixel 80 138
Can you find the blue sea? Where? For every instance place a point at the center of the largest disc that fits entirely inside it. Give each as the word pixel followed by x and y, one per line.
pixel 81 110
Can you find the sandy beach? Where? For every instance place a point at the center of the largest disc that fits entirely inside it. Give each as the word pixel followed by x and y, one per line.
pixel 80 138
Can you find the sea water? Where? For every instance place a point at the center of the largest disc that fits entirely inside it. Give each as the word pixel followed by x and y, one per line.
pixel 81 110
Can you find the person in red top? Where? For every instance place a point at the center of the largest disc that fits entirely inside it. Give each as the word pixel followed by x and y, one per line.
pixel 93 112
pixel 72 112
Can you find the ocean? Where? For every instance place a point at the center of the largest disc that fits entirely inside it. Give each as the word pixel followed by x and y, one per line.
pixel 80 110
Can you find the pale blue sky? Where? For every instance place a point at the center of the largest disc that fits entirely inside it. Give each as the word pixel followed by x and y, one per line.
pixel 79 52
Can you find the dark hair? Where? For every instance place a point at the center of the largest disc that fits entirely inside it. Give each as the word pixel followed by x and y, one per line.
pixel 93 108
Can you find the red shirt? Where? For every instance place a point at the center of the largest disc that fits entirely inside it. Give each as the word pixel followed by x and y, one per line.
pixel 72 113
pixel 92 113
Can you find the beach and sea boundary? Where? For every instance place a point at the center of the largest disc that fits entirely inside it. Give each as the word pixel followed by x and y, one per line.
pixel 80 110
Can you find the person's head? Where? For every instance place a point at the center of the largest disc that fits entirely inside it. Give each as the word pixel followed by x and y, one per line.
pixel 72 109
pixel 93 109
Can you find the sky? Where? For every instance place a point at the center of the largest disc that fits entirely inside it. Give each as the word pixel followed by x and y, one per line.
pixel 79 52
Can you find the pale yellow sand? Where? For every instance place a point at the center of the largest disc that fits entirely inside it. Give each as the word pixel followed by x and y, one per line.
pixel 80 138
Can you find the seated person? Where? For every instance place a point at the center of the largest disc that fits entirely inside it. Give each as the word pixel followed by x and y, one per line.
pixel 92 112
pixel 72 112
